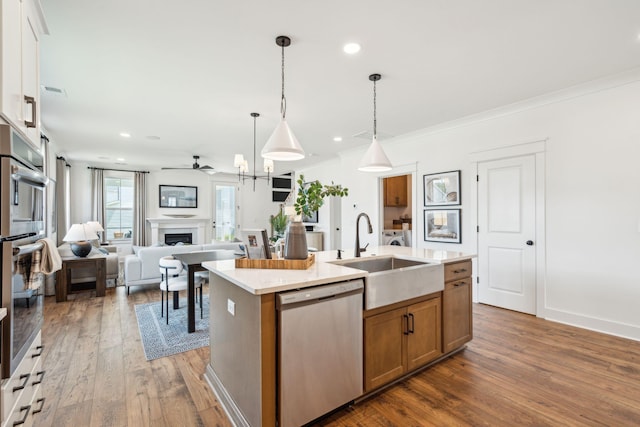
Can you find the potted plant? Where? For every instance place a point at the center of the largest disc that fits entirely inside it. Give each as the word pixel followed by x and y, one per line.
pixel 309 199
pixel 279 225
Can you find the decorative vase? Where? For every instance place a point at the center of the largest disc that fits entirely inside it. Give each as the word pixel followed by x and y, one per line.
pixel 295 241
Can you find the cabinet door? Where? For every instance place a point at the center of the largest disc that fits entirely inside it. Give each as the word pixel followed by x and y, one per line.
pixel 30 74
pixel 11 50
pixel 385 352
pixel 395 191
pixel 456 314
pixel 424 340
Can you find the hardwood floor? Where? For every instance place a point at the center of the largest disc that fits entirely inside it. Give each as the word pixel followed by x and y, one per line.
pixel 518 370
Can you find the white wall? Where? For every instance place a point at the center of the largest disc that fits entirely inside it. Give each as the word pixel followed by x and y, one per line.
pixel 592 197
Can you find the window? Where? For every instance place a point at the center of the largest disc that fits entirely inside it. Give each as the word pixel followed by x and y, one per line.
pixel 118 206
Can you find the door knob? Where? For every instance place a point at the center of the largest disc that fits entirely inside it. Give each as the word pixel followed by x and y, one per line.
pixel 530 242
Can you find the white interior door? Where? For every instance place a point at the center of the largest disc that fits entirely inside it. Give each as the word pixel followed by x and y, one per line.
pixel 224 211
pixel 507 222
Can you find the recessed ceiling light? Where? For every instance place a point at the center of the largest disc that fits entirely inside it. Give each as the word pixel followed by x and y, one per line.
pixel 125 134
pixel 351 48
pixel 337 139
pixel 120 159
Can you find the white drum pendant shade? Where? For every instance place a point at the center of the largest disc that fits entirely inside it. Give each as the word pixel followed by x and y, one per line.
pixel 375 160
pixel 282 144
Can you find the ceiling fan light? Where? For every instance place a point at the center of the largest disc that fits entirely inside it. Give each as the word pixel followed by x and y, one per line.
pixel 375 159
pixel 282 144
pixel 208 170
pixel 238 159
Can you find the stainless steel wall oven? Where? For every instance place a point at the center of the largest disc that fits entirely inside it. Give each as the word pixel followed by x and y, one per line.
pixel 22 223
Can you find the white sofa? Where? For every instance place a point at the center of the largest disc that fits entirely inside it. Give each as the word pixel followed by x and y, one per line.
pixel 141 267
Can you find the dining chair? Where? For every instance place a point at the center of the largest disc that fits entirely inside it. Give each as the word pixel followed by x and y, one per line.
pixel 173 280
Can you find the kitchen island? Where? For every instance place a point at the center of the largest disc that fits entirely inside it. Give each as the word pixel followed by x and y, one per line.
pixel 244 326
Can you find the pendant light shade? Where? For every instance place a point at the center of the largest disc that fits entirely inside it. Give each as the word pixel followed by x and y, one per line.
pixel 375 159
pixel 282 144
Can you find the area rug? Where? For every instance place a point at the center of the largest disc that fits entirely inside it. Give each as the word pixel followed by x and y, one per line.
pixel 160 339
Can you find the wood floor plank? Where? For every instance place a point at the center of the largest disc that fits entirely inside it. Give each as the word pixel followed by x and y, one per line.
pixel 518 370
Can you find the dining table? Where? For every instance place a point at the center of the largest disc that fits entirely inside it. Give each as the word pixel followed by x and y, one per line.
pixel 192 262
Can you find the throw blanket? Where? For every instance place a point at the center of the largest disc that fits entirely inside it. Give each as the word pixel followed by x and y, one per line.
pixel 28 266
pixel 51 261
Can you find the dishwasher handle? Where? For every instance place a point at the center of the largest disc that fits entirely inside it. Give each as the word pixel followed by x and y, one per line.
pixel 319 293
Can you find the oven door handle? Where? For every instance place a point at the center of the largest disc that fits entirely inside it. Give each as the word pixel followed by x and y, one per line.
pixel 28 176
pixel 16 237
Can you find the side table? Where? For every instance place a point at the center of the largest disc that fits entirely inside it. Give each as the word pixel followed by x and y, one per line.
pixel 63 276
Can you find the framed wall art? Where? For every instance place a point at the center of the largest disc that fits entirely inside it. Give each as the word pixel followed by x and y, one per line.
pixel 442 189
pixel 178 196
pixel 442 225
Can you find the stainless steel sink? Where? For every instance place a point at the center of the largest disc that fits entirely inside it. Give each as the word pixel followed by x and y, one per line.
pixel 393 279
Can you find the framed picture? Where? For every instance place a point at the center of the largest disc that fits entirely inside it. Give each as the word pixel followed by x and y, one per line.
pixel 442 189
pixel 442 225
pixel 178 196
pixel 256 243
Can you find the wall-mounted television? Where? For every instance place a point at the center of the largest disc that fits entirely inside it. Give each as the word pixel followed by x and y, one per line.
pixel 178 196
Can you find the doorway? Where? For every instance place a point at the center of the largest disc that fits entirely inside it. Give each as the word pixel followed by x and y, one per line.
pixel 397 210
pixel 510 200
pixel 224 211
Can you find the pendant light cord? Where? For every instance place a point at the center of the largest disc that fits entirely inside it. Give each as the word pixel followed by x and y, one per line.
pixel 283 100
pixel 374 111
pixel 254 147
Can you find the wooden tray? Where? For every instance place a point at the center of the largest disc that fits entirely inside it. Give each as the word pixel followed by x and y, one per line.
pixel 280 264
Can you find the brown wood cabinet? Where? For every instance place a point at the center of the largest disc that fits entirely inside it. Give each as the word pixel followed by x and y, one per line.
pixel 401 340
pixel 395 191
pixel 457 320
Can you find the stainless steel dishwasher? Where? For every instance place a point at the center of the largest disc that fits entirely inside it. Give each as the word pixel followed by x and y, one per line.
pixel 320 350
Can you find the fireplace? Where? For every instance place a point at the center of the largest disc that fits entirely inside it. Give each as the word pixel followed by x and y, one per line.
pixel 173 238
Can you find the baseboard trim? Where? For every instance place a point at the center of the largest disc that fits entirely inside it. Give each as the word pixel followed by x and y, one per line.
pixel 229 406
pixel 593 324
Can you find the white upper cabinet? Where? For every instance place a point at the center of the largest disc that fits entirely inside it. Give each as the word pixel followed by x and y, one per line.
pixel 20 59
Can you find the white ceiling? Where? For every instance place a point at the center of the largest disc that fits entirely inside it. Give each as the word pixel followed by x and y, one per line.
pixel 191 72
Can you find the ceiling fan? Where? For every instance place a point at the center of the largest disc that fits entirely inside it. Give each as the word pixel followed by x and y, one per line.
pixel 196 166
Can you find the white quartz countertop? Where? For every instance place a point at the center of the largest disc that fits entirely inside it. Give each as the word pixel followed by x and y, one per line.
pixel 265 281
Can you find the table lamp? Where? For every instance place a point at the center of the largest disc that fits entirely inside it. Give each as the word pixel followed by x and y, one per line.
pixel 78 237
pixel 96 227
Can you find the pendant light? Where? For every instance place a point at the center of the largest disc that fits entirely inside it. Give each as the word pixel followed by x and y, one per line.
pixel 243 166
pixel 375 160
pixel 283 145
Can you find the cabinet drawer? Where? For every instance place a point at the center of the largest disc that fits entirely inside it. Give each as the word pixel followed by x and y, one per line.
pixel 457 270
pixel 453 284
pixel 25 406
pixel 22 378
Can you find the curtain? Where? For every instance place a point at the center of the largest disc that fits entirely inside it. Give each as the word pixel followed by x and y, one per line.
pixel 63 220
pixel 97 198
pixel 139 208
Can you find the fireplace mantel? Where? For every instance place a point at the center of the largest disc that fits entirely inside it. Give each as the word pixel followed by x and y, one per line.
pixel 196 226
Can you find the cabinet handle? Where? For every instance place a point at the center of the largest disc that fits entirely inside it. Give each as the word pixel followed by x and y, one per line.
pixel 462 270
pixel 24 377
pixel 31 100
pixel 41 402
pixel 41 348
pixel 413 323
pixel 26 414
pixel 406 324
pixel 39 374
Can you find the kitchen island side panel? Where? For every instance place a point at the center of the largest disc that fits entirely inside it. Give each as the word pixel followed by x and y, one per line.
pixel 236 346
